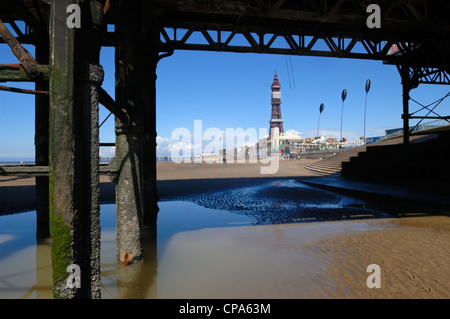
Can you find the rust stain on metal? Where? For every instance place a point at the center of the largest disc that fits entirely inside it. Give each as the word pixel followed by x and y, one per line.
pixel 25 91
pixel 126 257
pixel 14 66
pixel 106 7
pixel 17 73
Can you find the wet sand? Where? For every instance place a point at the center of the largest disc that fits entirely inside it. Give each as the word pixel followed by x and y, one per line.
pixel 323 259
pixel 413 255
pixel 317 260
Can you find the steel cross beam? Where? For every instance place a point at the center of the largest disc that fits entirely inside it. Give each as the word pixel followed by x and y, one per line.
pixel 328 28
pixel 398 14
pixel 240 39
pixel 34 14
pixel 430 75
pixel 411 78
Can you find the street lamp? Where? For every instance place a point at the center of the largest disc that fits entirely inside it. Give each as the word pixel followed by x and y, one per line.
pixel 365 107
pixel 322 106
pixel 344 96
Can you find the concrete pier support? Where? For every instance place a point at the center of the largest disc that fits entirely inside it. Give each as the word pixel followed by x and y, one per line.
pixel 75 78
pixel 135 160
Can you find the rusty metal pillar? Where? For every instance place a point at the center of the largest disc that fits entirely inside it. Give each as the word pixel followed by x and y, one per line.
pixel 75 79
pixel 406 87
pixel 41 142
pixel 135 160
pixel 148 118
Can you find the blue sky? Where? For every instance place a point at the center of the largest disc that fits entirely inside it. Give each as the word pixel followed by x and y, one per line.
pixel 232 90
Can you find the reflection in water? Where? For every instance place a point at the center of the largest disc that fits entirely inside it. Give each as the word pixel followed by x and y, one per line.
pixel 200 252
pixel 245 262
pixel 43 270
pixel 25 268
pixel 142 280
pixel 138 281
pixel 239 243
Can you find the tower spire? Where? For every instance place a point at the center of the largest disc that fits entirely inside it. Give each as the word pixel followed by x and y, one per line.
pixel 276 83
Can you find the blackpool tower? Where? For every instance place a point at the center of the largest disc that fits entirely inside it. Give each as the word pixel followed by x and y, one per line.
pixel 275 120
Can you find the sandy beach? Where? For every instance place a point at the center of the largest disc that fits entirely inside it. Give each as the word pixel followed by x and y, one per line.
pixel 323 259
pixel 171 171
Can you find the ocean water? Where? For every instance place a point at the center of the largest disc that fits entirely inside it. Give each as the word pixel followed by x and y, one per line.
pixel 16 162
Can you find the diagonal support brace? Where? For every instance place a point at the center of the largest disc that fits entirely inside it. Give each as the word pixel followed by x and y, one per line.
pixel 32 68
pixel 107 101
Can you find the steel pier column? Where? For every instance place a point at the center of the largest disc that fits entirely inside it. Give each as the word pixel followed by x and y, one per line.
pixel 135 160
pixel 41 142
pixel 75 78
pixel 406 86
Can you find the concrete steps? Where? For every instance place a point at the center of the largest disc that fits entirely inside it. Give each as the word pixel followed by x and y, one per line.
pixel 425 159
pixel 334 164
pixel 325 168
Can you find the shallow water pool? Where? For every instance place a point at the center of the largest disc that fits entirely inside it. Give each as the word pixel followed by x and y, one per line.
pixel 237 243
